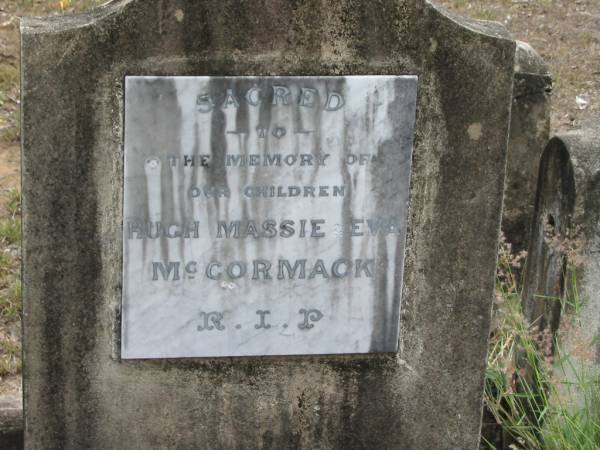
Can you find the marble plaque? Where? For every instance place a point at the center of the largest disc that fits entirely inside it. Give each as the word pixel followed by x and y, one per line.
pixel 264 215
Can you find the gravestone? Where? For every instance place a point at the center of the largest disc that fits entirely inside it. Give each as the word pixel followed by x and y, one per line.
pixel 566 237
pixel 260 224
pixel 529 134
pixel 11 422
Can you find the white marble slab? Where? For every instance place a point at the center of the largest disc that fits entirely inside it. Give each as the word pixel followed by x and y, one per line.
pixel 231 183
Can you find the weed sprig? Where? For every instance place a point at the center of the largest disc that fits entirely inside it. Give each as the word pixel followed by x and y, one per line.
pixel 539 393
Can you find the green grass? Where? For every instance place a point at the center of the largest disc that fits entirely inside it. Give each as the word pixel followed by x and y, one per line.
pixel 10 232
pixel 10 356
pixel 9 93
pixel 9 77
pixel 10 127
pixel 11 133
pixel 14 202
pixel 10 301
pixel 10 216
pixel 10 284
pixel 542 396
pixel 587 38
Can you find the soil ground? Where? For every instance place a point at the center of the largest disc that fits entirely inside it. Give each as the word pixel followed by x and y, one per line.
pixel 565 32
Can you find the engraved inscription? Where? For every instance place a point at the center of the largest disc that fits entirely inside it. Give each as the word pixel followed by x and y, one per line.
pixel 211 321
pixel 264 215
pixel 310 316
pixel 263 323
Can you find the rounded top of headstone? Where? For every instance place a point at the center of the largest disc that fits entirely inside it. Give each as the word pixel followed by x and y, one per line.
pixel 56 24
pixel 581 143
pixel 527 60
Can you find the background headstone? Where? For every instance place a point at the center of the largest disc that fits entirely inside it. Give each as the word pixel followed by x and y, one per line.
pixel 566 237
pixel 78 391
pixel 11 422
pixel 529 133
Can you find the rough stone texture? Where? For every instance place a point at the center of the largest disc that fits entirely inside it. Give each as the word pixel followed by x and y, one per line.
pixel 529 133
pixel 566 231
pixel 11 422
pixel 78 394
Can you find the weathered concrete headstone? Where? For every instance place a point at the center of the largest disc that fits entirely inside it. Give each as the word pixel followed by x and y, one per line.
pixel 165 145
pixel 566 234
pixel 11 422
pixel 529 134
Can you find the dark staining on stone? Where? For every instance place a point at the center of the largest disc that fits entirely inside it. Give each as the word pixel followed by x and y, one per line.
pixel 392 162
pixel 237 87
pixel 187 212
pixel 268 440
pixel 381 310
pixel 217 175
pixel 347 214
pixel 90 258
pixel 404 111
pixel 71 256
pixel 240 86
pixel 368 390
pixel 313 125
pixel 394 320
pixel 265 121
pixel 167 120
pixel 55 365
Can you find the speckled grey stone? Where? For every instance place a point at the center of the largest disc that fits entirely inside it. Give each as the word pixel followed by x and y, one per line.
pixel 80 394
pixel 529 134
pixel 566 233
pixel 11 422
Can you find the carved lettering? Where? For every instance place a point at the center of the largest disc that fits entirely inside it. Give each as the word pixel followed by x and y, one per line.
pixel 318 269
pixel 204 103
pixel 262 317
pixel 156 230
pixel 236 269
pixel 258 214
pixel 231 230
pixel 384 226
pixel 261 266
pixel 210 321
pixel 293 191
pixel 210 192
pixel 299 265
pixel 167 271
pixel 262 132
pixel 230 100
pixel 191 269
pixel 337 270
pixel 335 102
pixel 213 274
pixel 308 97
pixel 253 96
pixel 279 132
pixel 281 94
pixel 299 269
pixel 310 316
pixel 362 266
